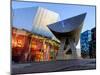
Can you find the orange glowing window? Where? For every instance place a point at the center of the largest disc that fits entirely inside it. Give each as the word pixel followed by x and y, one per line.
pixel 33 46
pixel 20 40
pixel 20 43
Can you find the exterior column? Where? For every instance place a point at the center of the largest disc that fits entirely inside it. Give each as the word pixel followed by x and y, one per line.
pixel 60 55
pixel 67 48
pixel 74 50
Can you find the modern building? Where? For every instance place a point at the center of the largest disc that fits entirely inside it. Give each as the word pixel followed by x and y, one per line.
pixel 29 47
pixel 33 31
pixel 35 19
pixel 43 18
pixel 68 32
pixel 93 43
pixel 88 43
pixel 85 43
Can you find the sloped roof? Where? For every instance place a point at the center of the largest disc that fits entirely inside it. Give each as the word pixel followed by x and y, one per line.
pixel 67 25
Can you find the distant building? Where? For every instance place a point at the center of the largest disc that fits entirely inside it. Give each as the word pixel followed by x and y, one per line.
pixel 93 43
pixel 88 43
pixel 85 43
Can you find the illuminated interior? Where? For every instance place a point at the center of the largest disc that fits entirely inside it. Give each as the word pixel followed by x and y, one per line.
pixel 29 48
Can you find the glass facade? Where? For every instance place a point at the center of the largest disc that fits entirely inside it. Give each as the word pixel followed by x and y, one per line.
pixel 88 43
pixel 27 47
pixel 85 43
pixel 93 44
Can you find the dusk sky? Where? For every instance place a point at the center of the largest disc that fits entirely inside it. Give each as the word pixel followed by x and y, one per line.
pixel 65 11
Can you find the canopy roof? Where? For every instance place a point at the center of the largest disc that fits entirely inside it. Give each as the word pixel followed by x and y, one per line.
pixel 67 25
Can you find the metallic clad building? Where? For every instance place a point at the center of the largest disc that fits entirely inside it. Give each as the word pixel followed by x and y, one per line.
pixel 43 18
pixel 35 19
pixel 68 32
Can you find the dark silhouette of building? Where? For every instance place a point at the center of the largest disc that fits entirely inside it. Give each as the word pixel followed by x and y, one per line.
pixel 85 43
pixel 88 43
pixel 93 43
